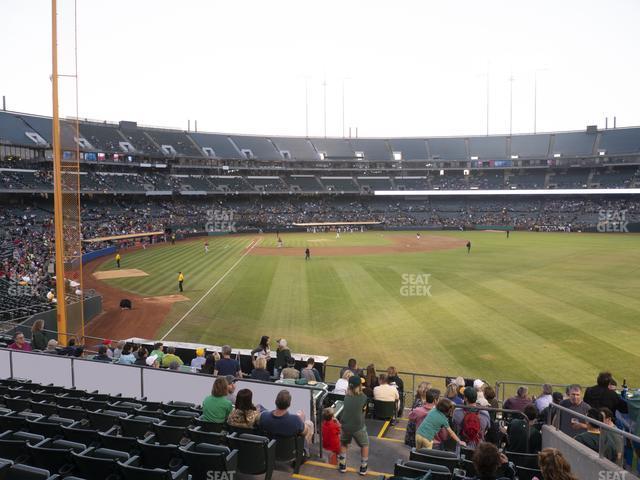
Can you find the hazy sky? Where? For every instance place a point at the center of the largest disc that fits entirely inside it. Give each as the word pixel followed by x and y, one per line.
pixel 408 67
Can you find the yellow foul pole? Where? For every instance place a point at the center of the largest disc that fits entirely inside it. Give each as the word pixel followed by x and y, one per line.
pixel 61 308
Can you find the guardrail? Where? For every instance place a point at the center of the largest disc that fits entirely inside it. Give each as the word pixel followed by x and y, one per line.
pixel 503 391
pixel 554 417
pixel 333 372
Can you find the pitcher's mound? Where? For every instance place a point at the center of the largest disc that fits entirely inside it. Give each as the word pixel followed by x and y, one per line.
pixel 167 299
pixel 119 273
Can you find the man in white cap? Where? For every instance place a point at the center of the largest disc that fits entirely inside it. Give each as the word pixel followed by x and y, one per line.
pixel 478 385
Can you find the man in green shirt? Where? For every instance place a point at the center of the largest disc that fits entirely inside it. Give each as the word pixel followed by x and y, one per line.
pixel 158 351
pixel 170 357
pixel 216 407
pixel 353 426
pixel 437 419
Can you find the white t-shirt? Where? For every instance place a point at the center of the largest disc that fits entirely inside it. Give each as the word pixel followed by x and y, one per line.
pixel 386 393
pixel 543 402
pixel 341 386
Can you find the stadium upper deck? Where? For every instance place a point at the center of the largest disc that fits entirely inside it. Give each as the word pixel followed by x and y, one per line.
pixel 129 139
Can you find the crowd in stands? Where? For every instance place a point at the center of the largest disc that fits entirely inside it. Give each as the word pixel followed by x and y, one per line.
pixel 107 179
pixel 466 414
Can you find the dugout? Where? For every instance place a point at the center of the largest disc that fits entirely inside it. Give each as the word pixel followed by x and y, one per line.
pixel 187 352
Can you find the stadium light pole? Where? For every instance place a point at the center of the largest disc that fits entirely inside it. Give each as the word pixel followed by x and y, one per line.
pixel 511 104
pixel 324 94
pixel 61 307
pixel 487 101
pixel 344 79
pixel 343 108
pixel 306 106
pixel 488 80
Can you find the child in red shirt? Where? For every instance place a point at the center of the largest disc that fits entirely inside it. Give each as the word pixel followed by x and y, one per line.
pixel 330 435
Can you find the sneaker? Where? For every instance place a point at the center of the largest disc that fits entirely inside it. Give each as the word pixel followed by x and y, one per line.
pixel 342 467
pixel 363 469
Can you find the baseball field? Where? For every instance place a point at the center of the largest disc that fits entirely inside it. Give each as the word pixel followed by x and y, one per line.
pixel 537 306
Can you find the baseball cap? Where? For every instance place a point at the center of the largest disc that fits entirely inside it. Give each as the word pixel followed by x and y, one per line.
pixel 354 381
pixel 151 359
pixel 478 384
pixel 200 351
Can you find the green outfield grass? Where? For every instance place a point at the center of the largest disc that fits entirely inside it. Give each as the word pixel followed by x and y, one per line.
pixel 538 306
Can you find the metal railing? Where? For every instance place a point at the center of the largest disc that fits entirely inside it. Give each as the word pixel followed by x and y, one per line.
pixel 333 371
pixel 504 390
pixel 555 415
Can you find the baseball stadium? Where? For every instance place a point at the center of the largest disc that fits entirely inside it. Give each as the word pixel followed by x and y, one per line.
pixel 193 304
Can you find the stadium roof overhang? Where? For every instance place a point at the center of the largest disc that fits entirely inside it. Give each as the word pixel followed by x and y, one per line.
pixel 557 191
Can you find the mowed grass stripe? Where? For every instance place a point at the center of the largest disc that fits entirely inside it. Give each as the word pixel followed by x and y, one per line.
pixel 282 309
pixel 555 330
pixel 231 306
pixel 481 351
pixel 510 348
pixel 552 307
pixel 163 266
pixel 204 277
pixel 418 333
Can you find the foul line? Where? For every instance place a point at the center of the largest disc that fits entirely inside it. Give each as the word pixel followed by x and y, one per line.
pixel 249 248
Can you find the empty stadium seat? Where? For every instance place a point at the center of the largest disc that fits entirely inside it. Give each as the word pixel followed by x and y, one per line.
pixel 80 431
pixel 157 455
pixel 43 407
pixel 208 426
pixel 197 435
pixel 179 418
pixel 256 454
pixel 290 449
pixel 11 471
pixel 13 445
pixel 529 460
pixel 132 469
pixel 436 457
pixel 137 425
pixel 50 426
pixel 202 458
pixel 384 410
pixel 112 440
pixel 103 420
pixel 17 421
pixel 98 463
pixel 74 413
pixel 54 455
pixel 411 469
pixel 168 434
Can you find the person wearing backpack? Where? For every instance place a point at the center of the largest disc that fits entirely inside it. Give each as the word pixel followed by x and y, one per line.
pixel 470 424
